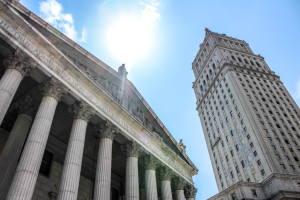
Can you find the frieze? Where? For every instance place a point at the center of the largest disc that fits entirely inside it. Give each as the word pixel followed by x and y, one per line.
pixel 117 91
pixel 61 72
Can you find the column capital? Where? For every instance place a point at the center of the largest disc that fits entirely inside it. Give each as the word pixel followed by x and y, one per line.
pixel 178 183
pixel 150 162
pixel 107 130
pixel 21 62
pixel 165 173
pixel 190 191
pixel 27 106
pixel 53 88
pixel 82 110
pixel 131 149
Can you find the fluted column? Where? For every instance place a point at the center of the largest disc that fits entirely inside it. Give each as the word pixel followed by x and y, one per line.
pixel 131 150
pixel 69 183
pixel 179 184
pixel 165 175
pixel 190 192
pixel 14 144
pixel 24 180
pixel 150 177
pixel 17 67
pixel 103 169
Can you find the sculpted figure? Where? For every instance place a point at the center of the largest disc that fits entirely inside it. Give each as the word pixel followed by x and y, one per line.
pixel 182 146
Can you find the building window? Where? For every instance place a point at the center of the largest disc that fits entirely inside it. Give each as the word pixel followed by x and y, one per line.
pixel 258 162
pixel 233 196
pixel 255 153
pixel 254 194
pixel 262 172
pixel 46 163
pixel 243 164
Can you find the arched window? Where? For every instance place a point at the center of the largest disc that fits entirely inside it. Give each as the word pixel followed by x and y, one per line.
pixel 233 57
pixel 204 83
pixel 210 72
pixel 201 87
pixel 207 78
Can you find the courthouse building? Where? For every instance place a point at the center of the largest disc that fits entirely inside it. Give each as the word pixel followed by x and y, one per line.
pixel 250 122
pixel 74 128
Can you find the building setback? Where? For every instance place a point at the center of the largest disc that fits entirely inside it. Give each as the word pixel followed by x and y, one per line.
pixel 250 122
pixel 74 128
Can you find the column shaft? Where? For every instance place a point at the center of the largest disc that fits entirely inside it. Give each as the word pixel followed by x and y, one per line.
pixel 150 183
pixel 132 179
pixel 9 84
pixel 166 190
pixel 69 183
pixel 12 151
pixel 179 194
pixel 103 170
pixel 26 175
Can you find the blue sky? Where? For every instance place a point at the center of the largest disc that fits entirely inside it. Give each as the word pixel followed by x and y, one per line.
pixel 161 39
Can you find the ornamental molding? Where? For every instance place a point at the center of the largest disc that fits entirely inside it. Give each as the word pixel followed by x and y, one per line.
pixel 20 62
pixel 165 174
pixel 53 88
pixel 81 110
pixel 190 191
pixel 131 149
pixel 43 52
pixel 107 129
pixel 178 183
pixel 150 162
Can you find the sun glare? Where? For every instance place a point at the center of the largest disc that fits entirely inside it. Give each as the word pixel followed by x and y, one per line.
pixel 129 39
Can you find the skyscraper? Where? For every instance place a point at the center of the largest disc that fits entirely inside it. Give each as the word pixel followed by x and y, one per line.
pixel 250 121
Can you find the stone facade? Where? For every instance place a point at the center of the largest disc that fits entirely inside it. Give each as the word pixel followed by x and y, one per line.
pixel 250 122
pixel 72 127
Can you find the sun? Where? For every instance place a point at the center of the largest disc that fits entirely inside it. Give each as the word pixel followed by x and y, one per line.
pixel 129 38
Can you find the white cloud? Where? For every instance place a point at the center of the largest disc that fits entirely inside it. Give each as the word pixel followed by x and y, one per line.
pixel 150 13
pixel 52 12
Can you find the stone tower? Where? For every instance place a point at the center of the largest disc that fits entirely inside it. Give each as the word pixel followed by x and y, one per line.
pixel 250 121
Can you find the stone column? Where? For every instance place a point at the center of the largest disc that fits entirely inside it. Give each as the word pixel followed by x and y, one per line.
pixel 72 165
pixel 24 180
pixel 165 175
pixel 190 192
pixel 12 150
pixel 103 169
pixel 131 150
pixel 178 184
pixel 150 177
pixel 17 67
